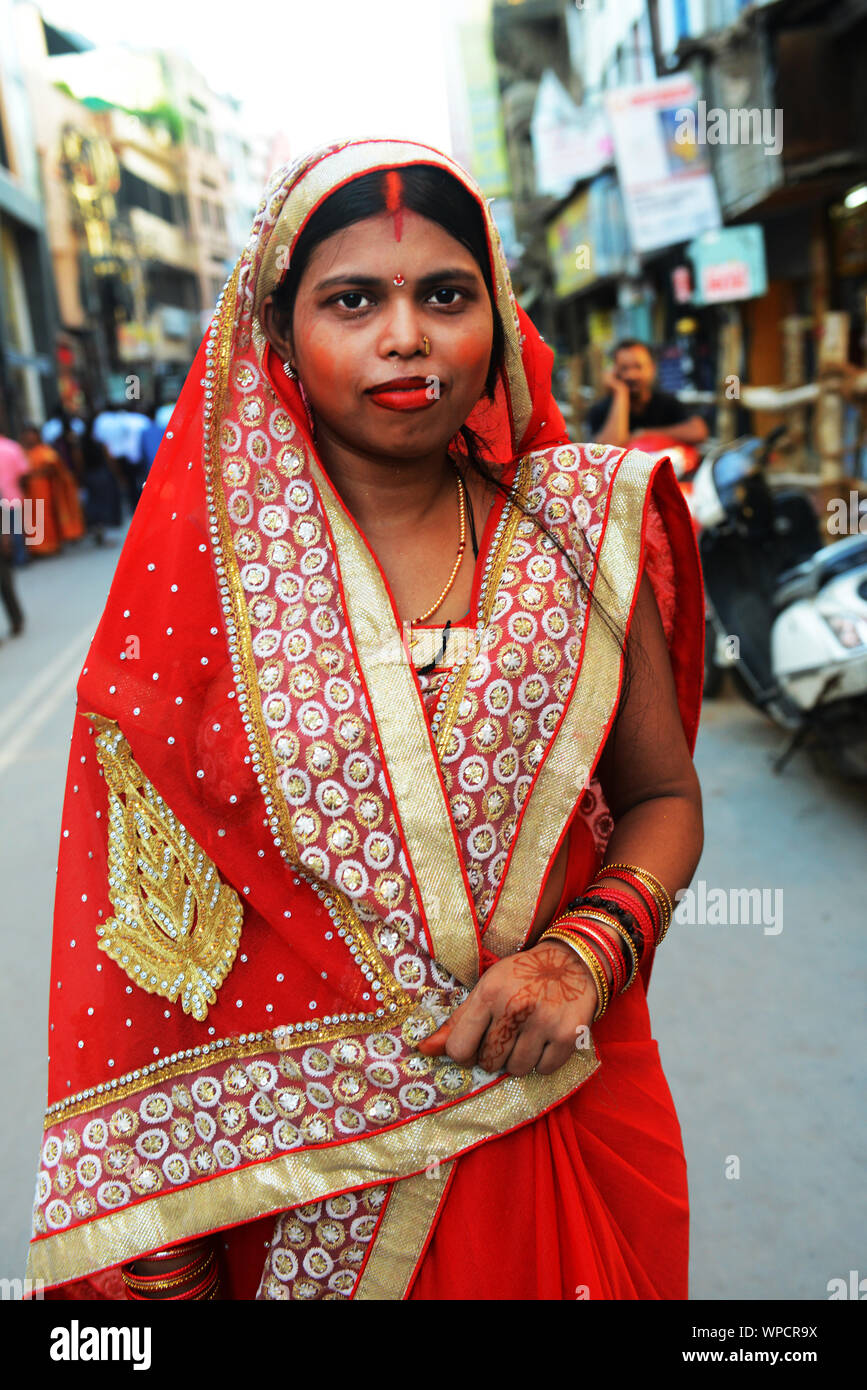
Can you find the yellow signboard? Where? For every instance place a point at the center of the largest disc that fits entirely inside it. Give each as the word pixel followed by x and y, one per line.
pixel 570 248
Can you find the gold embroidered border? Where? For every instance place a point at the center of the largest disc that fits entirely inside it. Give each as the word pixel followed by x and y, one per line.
pixel 412 1210
pixel 247 682
pixel 151 1074
pixel 298 1178
pixel 421 806
pixel 487 599
pixel 579 739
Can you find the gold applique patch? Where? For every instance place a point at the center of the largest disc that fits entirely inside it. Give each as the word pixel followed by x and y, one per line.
pixel 177 925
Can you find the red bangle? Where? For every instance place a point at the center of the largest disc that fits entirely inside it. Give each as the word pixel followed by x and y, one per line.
pixel 639 912
pixel 210 1280
pixel 633 881
pixel 145 1286
pixel 612 954
pixel 161 1275
pixel 595 934
pixel 172 1251
pixel 574 926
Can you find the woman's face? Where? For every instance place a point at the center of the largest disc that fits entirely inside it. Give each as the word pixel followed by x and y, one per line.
pixel 354 329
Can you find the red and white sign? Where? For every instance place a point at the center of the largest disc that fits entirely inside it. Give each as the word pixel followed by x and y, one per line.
pixel 728 280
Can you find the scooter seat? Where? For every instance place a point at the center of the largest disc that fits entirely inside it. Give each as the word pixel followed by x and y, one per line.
pixel 805 580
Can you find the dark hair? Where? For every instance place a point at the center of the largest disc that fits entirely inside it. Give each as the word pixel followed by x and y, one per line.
pixel 434 193
pixel 633 343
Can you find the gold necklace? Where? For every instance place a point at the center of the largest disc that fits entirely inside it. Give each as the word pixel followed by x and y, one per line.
pixel 461 547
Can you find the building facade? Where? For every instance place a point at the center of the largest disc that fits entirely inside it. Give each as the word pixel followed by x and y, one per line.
pixel 28 310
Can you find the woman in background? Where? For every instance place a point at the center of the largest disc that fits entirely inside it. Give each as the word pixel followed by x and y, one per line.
pixel 51 485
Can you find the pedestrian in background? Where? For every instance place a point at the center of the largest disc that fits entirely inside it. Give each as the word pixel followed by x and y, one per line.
pixel 101 484
pixel 52 483
pixel 13 468
pixel 151 439
pixel 120 429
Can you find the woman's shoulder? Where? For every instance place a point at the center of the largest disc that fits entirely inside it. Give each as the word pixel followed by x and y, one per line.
pixel 593 467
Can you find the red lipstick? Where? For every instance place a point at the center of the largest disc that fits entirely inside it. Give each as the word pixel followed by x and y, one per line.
pixel 405 393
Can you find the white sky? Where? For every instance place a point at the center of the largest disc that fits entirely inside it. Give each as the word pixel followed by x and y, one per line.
pixel 317 69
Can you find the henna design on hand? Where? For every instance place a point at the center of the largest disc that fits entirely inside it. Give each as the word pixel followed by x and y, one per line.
pixel 502 1032
pixel 552 975
pixel 548 975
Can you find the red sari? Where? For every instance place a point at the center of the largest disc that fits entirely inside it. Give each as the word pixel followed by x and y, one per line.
pixel 52 487
pixel 285 859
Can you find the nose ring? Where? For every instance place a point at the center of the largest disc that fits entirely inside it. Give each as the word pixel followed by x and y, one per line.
pixel 426 342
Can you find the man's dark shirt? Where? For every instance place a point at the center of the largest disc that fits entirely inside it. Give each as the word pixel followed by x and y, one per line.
pixel 662 409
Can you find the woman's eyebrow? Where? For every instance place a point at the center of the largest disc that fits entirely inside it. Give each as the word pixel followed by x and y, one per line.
pixel 373 282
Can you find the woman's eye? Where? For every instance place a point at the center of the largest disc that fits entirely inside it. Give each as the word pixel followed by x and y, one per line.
pixel 350 294
pixel 446 289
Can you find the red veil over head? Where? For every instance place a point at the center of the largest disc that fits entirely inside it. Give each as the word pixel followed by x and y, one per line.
pixel 264 897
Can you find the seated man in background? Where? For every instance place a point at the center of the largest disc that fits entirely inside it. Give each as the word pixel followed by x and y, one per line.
pixel 635 407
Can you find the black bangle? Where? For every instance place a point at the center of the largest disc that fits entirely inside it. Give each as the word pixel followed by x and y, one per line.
pixel 625 918
pixel 628 961
pixel 621 914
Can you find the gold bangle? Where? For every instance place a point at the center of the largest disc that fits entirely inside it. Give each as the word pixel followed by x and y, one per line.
pixel 660 890
pixel 624 934
pixel 656 889
pixel 208 1291
pixel 664 918
pixel 581 949
pixel 602 918
pixel 585 951
pixel 570 932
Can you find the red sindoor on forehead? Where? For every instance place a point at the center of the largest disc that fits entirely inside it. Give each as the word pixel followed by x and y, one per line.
pixel 394 200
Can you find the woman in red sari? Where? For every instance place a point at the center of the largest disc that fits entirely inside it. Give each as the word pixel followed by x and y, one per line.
pixel 388 671
pixel 51 485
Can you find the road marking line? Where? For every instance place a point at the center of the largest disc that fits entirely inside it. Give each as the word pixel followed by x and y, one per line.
pixel 60 679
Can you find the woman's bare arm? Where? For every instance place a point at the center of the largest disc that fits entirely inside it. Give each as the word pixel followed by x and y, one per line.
pixel 526 1010
pixel 646 772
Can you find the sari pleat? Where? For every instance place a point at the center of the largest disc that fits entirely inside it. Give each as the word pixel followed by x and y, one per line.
pixel 574 1204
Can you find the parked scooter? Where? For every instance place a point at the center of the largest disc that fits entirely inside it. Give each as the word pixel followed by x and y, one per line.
pixel 790 615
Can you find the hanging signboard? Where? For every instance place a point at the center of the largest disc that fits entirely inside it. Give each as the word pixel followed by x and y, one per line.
pixel 729 264
pixel 662 163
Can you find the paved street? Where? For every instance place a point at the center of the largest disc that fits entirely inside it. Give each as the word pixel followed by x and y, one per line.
pixel 760 1025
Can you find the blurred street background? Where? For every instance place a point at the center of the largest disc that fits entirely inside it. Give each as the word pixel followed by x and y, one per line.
pixel 680 188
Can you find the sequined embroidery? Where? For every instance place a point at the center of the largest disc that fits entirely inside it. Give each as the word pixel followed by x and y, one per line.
pixel 177 925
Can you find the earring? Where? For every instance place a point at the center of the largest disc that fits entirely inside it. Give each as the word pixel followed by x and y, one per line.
pixel 311 418
pixel 289 370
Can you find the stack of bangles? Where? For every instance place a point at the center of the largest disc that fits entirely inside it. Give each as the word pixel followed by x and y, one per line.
pixel 587 923
pixel 199 1271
